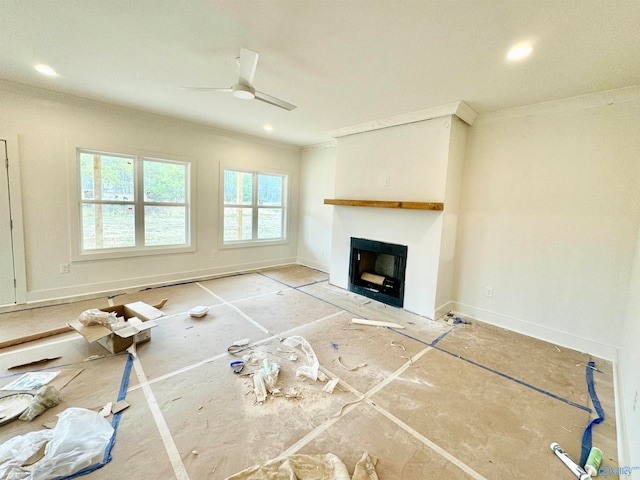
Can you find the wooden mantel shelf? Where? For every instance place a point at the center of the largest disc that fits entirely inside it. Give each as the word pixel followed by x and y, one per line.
pixel 385 204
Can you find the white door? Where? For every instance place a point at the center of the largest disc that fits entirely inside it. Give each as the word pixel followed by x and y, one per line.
pixel 7 268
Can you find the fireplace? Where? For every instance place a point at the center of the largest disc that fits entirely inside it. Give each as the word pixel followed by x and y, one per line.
pixel 377 270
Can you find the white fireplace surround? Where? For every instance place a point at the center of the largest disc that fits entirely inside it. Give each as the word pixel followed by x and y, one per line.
pixel 417 162
pixel 417 229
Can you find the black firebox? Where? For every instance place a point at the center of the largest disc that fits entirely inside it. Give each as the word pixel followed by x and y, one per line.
pixel 377 270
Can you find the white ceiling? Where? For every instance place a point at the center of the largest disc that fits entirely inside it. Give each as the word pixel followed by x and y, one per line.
pixel 342 62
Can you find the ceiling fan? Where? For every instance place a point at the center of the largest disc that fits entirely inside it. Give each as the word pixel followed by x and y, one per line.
pixel 248 62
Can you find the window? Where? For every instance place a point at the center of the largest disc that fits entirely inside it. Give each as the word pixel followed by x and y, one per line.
pixel 254 206
pixel 131 203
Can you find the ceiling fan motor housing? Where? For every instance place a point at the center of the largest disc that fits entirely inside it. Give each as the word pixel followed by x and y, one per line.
pixel 246 92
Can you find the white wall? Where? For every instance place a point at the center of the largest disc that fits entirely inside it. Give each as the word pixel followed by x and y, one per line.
pixel 317 178
pixel 414 160
pixel 549 218
pixel 628 369
pixel 550 214
pixel 446 263
pixel 45 122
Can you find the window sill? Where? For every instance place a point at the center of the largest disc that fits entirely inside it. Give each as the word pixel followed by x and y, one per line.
pixel 252 243
pixel 116 253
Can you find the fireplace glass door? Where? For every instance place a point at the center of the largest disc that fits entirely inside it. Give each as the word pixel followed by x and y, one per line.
pixel 377 270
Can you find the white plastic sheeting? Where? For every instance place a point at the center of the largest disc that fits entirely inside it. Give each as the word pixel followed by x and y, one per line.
pixel 78 440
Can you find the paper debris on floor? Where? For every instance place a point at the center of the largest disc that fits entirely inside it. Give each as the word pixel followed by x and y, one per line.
pixel 46 398
pixel 35 362
pixel 331 385
pixel 31 381
pixel 132 327
pixel 119 406
pixel 375 323
pixel 310 467
pixel 65 376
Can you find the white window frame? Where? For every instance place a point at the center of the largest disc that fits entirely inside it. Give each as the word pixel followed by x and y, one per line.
pixel 79 254
pixel 284 238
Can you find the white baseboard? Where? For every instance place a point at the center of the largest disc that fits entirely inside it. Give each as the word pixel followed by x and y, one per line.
pixel 313 264
pixel 106 288
pixel 444 309
pixel 624 455
pixel 564 339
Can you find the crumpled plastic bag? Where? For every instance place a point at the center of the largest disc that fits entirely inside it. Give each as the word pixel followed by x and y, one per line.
pixel 94 316
pixel 45 398
pixel 270 373
pixel 310 467
pixel 311 370
pixel 78 440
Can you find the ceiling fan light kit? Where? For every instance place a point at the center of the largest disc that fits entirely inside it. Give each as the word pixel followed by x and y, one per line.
pixel 244 90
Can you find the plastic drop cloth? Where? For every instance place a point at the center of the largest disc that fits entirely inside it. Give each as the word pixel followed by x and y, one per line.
pixel 310 467
pixel 311 370
pixel 78 440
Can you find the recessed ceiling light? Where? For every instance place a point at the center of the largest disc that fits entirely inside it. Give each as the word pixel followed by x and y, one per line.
pixel 268 127
pixel 519 52
pixel 46 70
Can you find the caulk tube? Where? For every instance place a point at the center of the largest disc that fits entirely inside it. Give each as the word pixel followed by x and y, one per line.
pixel 593 461
pixel 577 470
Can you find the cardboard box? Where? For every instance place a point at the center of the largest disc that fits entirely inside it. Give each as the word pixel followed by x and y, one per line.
pixel 139 318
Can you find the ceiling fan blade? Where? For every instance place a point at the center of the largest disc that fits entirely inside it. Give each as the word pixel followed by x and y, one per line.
pixel 248 64
pixel 263 97
pixel 204 89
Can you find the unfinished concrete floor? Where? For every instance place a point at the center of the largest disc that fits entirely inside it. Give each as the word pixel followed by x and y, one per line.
pixel 430 401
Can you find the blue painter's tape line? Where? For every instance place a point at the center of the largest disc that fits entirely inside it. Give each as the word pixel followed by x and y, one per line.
pixel 518 381
pixel 437 340
pixel 122 394
pixel 586 436
pixel 432 344
pixel 503 375
pixel 309 284
pixel 291 286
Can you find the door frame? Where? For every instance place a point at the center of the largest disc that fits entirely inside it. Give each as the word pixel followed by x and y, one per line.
pixel 15 199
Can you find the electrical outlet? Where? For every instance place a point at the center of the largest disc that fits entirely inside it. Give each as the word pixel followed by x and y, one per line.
pixel 387 181
pixel 488 291
pixel 214 254
pixel 64 268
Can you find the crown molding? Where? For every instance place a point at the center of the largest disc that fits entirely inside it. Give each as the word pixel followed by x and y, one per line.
pixel 608 97
pixel 460 109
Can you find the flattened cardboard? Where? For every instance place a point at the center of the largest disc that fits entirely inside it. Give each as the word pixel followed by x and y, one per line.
pixel 34 362
pixel 119 406
pixel 143 311
pixel 133 327
pixel 65 376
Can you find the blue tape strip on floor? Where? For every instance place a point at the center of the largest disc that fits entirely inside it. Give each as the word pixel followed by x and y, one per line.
pixel 309 284
pixel 437 340
pixel 190 282
pixel 122 394
pixel 489 369
pixel 586 436
pixel 434 345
